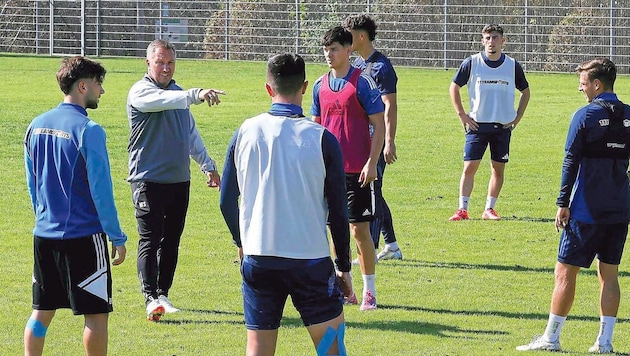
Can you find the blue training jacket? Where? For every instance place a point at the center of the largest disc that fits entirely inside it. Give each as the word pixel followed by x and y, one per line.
pixel 594 172
pixel 68 176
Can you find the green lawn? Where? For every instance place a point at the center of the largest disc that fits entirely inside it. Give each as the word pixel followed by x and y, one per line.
pixel 468 288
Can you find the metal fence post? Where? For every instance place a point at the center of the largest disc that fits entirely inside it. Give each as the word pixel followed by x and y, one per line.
pixel 298 27
pixel 612 30
pixel 445 34
pixel 83 27
pixel 227 30
pixel 51 23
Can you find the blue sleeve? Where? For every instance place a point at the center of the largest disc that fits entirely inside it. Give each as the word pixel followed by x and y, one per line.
pixel 30 175
pixel 572 158
pixel 369 96
pixel 228 201
pixel 315 108
pixel 386 78
pixel 463 72
pixel 519 77
pixel 94 149
pixel 335 192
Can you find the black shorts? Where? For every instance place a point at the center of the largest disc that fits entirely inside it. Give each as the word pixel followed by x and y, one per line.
pixel 72 273
pixel 360 200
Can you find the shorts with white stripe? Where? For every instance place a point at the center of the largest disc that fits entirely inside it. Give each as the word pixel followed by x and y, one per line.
pixel 72 273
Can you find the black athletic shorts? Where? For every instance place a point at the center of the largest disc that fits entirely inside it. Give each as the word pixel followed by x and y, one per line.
pixel 72 273
pixel 360 200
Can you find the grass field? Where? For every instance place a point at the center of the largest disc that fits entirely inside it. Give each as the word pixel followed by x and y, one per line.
pixel 469 288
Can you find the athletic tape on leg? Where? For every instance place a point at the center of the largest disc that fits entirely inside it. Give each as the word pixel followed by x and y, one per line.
pixel 329 338
pixel 37 327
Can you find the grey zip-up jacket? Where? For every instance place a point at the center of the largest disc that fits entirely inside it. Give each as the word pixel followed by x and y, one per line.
pixel 163 135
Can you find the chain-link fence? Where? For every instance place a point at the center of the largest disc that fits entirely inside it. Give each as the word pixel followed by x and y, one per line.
pixel 544 35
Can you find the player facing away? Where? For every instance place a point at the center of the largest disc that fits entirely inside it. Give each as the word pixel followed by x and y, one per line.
pixel 70 185
pixel 379 67
pixel 593 204
pixel 346 101
pixel 492 78
pixel 288 172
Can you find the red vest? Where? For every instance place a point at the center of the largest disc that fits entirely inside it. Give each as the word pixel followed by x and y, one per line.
pixel 344 117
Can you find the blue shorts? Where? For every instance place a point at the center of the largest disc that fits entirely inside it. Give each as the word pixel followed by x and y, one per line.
pixel 314 291
pixel 488 134
pixel 580 243
pixel 361 201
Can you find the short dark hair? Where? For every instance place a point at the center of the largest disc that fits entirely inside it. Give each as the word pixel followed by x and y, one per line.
pixel 492 28
pixel 76 68
pixel 361 22
pixel 160 43
pixel 286 73
pixel 337 34
pixel 600 68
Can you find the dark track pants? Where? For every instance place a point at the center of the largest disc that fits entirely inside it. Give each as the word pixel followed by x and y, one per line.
pixel 161 214
pixel 382 222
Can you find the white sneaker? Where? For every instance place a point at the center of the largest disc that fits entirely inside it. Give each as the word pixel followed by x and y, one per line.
pixel 601 349
pixel 154 310
pixel 387 254
pixel 168 306
pixel 538 343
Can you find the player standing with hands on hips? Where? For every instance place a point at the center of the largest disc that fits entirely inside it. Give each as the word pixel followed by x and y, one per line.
pixel 69 181
pixel 288 172
pixel 163 137
pixel 593 205
pixel 492 78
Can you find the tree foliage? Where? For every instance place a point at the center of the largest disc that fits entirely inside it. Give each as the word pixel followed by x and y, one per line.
pixel 544 35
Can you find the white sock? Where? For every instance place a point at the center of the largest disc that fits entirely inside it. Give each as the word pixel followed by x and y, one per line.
pixel 491 202
pixel 463 202
pixel 369 284
pixel 554 325
pixel 606 326
pixel 393 246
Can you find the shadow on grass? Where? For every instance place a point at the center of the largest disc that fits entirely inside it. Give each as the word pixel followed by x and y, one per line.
pixel 528 218
pixel 440 330
pixel 532 316
pixel 460 265
pixel 182 320
pixel 421 328
pixel 403 326
pixel 220 312
pixel 510 268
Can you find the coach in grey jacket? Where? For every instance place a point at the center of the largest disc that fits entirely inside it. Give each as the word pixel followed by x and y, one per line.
pixel 163 136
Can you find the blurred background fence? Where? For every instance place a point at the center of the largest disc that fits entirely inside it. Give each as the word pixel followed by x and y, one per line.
pixel 544 35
